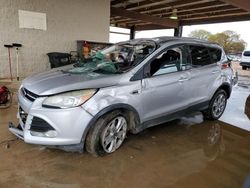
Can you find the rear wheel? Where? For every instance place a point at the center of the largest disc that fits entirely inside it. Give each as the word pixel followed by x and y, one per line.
pixel 217 105
pixel 107 134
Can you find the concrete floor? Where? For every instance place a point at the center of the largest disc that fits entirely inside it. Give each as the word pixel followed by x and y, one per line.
pixel 186 153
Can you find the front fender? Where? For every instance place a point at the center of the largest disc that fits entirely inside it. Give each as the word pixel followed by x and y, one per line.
pixel 118 106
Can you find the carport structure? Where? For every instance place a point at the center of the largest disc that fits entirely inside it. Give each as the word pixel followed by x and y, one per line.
pixel 140 15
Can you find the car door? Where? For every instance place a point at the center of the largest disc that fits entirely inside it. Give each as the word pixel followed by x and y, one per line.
pixel 205 71
pixel 164 88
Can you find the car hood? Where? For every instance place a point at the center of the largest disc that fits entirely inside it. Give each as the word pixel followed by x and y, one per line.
pixel 58 81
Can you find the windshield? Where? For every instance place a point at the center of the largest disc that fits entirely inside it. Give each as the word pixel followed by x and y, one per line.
pixel 116 59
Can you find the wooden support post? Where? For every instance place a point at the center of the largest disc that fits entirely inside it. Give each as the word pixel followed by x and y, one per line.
pixel 178 31
pixel 132 32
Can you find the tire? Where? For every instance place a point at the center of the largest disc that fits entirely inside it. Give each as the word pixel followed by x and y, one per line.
pixel 104 137
pixel 244 68
pixel 215 111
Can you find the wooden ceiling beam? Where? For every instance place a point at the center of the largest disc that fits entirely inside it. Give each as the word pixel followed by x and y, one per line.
pixel 144 17
pixel 217 16
pixel 243 4
pixel 149 27
pixel 163 10
pixel 197 10
pixel 213 12
pixel 190 13
pixel 199 6
pixel 116 2
pixel 216 20
pixel 145 4
pixel 167 5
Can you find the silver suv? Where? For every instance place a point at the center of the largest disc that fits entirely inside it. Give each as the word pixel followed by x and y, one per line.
pixel 129 86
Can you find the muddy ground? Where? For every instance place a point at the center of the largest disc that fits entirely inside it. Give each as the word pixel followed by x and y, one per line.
pixel 189 152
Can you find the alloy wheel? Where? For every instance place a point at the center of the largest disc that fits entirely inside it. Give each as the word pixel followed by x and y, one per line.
pixel 219 105
pixel 114 134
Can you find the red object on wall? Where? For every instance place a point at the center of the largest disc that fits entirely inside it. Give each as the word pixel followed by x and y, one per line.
pixel 85 49
pixel 4 95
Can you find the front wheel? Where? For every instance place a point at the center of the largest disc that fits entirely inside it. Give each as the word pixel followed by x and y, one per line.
pixel 107 134
pixel 217 105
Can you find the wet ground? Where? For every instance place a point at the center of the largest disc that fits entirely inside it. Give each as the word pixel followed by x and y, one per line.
pixel 189 152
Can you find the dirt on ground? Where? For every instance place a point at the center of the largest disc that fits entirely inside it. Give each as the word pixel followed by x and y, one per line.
pixel 236 67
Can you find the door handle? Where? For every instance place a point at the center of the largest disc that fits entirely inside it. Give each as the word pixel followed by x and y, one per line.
pixel 135 92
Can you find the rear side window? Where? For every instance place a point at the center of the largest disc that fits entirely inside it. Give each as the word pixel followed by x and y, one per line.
pixel 246 53
pixel 200 56
pixel 215 54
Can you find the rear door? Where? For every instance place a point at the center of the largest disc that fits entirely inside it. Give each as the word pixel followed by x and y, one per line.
pixel 205 72
pixel 164 88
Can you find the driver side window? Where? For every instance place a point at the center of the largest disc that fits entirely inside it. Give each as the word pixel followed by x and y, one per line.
pixel 170 61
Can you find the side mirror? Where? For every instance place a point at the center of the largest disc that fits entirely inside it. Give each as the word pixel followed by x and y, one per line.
pixel 138 75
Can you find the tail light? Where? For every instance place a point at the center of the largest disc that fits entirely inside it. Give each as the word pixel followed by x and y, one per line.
pixel 225 65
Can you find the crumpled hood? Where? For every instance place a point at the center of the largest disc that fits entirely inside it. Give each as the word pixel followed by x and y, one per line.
pixel 57 81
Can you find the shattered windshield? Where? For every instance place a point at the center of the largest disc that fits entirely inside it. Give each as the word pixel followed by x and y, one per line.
pixel 116 59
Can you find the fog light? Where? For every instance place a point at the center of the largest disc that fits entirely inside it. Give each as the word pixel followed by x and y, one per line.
pixel 50 134
pixel 33 133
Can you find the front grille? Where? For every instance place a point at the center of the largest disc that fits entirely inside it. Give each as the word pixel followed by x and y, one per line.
pixel 29 95
pixel 39 125
pixel 23 115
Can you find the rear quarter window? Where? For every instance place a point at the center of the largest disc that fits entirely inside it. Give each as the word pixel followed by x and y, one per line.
pixel 199 55
pixel 215 54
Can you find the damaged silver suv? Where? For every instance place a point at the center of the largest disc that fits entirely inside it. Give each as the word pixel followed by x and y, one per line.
pixel 129 86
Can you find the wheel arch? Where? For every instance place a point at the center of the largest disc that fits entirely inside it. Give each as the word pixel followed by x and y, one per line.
pixel 134 118
pixel 226 87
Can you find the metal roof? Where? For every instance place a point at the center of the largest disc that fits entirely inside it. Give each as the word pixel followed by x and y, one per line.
pixel 167 39
pixel 154 14
pixel 163 40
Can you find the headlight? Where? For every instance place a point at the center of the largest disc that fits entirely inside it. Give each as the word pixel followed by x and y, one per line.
pixel 69 99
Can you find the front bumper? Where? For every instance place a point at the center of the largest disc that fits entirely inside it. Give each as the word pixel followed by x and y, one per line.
pixel 15 130
pixel 68 125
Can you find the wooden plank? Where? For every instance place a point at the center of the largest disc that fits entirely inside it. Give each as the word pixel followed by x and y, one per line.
pixel 203 10
pixel 211 13
pixel 190 13
pixel 175 4
pixel 186 8
pixel 218 15
pixel 115 2
pixel 144 17
pixel 165 10
pixel 159 3
pixel 243 4
pixel 235 18
pixel 149 27
pixel 144 4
